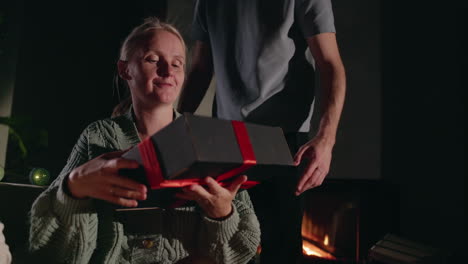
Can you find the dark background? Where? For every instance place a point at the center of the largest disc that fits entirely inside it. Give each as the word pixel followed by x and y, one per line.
pixel 66 65
pixel 423 127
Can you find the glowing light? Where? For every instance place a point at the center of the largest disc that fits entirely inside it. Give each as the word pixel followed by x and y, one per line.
pixel 311 250
pixel 325 240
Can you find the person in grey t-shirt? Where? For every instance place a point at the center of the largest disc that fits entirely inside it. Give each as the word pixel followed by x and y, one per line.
pixel 264 54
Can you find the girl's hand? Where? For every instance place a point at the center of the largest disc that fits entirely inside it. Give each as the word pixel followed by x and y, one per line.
pixel 99 178
pixel 215 200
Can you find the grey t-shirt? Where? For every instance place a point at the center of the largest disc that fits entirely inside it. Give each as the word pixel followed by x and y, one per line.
pixel 259 50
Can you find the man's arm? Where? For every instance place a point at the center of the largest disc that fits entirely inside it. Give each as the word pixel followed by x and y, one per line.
pixel 198 79
pixel 318 151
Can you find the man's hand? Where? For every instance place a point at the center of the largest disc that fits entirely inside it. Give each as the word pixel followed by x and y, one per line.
pixel 215 200
pixel 318 154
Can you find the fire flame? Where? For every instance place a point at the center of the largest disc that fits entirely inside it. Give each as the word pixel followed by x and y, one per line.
pixel 311 250
pixel 309 233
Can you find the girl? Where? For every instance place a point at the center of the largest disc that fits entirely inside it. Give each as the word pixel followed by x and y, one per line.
pixel 74 221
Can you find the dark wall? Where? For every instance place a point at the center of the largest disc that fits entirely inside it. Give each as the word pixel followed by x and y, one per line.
pixel 67 64
pixel 358 148
pixel 423 132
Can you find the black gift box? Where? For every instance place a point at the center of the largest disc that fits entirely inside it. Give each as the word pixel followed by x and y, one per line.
pixel 193 147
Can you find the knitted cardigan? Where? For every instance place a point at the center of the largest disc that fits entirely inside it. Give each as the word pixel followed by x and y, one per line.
pixel 68 230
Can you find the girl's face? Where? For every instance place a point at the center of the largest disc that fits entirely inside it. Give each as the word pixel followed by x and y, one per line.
pixel 155 73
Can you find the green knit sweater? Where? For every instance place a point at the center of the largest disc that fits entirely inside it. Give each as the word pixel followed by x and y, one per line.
pixel 68 230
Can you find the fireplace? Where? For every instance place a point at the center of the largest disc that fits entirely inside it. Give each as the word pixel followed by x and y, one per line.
pixel 343 219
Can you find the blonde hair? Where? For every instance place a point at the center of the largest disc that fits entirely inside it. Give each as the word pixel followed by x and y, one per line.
pixel 134 41
pixel 142 33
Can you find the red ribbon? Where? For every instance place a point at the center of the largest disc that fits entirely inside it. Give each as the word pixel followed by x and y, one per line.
pixel 153 169
pixel 150 163
pixel 246 150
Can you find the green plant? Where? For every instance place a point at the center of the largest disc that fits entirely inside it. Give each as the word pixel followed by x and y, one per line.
pixel 8 121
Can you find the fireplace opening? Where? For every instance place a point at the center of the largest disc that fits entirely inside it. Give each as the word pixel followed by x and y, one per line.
pixel 343 219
